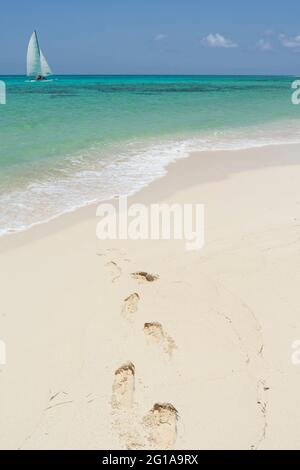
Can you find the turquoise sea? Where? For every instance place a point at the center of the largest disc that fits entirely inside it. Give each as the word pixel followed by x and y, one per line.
pixel 79 139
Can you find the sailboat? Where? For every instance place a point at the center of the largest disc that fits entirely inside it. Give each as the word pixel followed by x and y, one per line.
pixel 37 66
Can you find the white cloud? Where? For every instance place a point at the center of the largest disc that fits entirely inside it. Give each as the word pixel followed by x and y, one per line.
pixel 292 43
pixel 217 40
pixel 265 45
pixel 160 37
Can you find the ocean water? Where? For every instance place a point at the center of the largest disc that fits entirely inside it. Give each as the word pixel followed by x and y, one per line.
pixel 79 139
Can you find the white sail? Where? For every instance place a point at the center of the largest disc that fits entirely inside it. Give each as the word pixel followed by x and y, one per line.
pixel 36 62
pixel 46 70
pixel 33 57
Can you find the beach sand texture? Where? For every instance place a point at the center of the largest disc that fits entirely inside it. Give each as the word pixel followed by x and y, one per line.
pixel 197 356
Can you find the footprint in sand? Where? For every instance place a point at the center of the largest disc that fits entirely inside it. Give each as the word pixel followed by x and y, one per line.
pixel 130 306
pixel 146 277
pixel 158 429
pixel 124 418
pixel 123 386
pixel 161 426
pixel 155 335
pixel 115 270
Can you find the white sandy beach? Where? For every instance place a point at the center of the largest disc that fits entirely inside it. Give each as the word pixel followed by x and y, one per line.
pixel 229 315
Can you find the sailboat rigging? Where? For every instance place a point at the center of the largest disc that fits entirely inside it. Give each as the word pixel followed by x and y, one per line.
pixel 37 65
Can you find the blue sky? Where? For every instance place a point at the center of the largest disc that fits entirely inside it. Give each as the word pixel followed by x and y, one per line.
pixel 154 36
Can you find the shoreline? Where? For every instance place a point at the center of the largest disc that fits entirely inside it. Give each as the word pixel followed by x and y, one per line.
pixel 60 222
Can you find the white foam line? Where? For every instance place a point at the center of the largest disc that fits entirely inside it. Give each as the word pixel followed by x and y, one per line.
pixel 134 170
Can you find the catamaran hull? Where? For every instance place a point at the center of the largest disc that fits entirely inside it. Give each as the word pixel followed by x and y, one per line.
pixel 40 81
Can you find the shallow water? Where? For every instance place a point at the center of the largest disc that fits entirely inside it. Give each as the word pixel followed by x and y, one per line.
pixel 74 140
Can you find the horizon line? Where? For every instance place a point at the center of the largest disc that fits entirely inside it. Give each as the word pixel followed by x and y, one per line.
pixel 159 75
